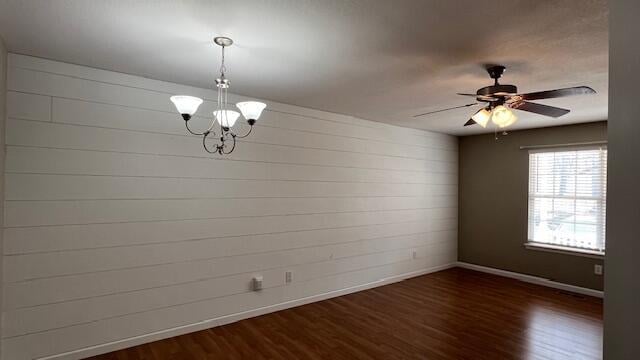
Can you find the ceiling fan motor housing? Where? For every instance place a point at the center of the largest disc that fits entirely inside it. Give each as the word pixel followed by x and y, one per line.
pixel 496 92
pixel 498 89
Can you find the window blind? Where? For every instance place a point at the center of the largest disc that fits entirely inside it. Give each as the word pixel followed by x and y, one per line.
pixel 567 197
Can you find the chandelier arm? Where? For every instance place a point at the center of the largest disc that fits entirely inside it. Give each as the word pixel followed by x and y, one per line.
pixel 233 147
pixel 204 144
pixel 245 135
pixel 186 123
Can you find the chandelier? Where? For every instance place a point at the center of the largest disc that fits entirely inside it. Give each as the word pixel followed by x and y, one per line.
pixel 225 137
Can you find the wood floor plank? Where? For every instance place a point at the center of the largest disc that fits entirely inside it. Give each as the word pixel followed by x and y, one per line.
pixel 452 314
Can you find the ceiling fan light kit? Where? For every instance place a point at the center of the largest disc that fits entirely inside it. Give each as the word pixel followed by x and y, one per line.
pixel 503 117
pixel 501 98
pixel 225 118
pixel 482 117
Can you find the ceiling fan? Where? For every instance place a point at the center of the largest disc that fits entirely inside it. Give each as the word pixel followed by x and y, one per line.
pixel 501 98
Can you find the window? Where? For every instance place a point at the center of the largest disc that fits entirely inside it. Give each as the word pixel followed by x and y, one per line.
pixel 567 198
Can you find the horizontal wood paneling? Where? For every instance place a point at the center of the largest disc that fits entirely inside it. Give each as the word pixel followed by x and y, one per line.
pixel 29 106
pixel 50 135
pixel 81 162
pixel 57 263
pixel 69 237
pixel 43 187
pixel 118 225
pixel 69 111
pixel 109 77
pixel 55 289
pixel 46 83
pixel 117 303
pixel 69 212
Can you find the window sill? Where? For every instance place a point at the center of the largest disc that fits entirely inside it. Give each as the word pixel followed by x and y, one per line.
pixel 564 250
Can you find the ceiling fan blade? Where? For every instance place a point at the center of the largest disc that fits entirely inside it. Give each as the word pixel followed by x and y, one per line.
pixel 550 94
pixel 465 94
pixel 545 110
pixel 470 122
pixel 447 109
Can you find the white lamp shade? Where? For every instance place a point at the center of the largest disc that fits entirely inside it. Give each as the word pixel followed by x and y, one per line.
pixel 186 104
pixel 226 118
pixel 503 117
pixel 482 117
pixel 251 110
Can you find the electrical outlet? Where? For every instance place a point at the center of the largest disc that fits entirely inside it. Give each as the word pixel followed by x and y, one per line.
pixel 288 277
pixel 597 269
pixel 256 283
pixel 414 254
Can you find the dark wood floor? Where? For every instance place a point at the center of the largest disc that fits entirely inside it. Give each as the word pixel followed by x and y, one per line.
pixel 452 314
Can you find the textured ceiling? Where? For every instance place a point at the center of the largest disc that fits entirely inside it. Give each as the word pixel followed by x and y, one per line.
pixel 379 60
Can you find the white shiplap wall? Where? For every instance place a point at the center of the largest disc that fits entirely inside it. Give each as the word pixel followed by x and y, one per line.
pixel 120 230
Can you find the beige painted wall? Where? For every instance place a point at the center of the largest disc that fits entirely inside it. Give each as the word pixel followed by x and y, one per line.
pixel 3 103
pixel 493 205
pixel 622 300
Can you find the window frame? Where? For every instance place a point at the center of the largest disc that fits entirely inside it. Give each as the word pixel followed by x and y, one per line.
pixel 557 248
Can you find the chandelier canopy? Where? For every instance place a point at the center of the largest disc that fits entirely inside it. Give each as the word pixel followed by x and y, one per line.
pixel 225 137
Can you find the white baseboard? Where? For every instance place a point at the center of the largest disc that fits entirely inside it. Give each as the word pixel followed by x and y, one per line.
pixel 206 324
pixel 532 279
